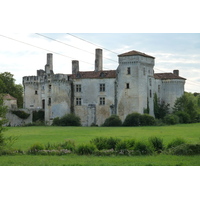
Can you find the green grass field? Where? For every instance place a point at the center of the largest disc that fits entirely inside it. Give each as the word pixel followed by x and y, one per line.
pixel 27 136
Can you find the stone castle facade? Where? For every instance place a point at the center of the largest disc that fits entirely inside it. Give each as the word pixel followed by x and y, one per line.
pixel 96 95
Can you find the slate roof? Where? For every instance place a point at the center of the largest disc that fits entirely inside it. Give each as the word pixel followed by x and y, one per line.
pixel 135 53
pixel 165 76
pixel 93 74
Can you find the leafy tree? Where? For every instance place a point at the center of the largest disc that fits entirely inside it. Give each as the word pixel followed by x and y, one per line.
pixel 160 109
pixel 189 104
pixel 3 111
pixel 8 86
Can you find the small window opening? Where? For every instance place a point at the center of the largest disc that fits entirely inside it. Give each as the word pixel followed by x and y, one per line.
pixel 127 85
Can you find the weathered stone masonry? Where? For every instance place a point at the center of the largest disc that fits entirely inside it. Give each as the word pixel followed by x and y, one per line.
pixel 96 95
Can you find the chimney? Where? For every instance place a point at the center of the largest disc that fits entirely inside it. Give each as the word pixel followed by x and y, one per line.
pixel 98 60
pixel 50 60
pixel 176 72
pixel 75 66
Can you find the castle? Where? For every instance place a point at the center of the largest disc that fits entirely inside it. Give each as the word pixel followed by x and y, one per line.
pixel 96 95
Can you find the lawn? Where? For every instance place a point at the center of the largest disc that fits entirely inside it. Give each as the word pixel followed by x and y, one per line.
pixel 27 136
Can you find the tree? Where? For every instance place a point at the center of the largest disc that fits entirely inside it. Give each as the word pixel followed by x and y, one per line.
pixel 189 104
pixel 3 111
pixel 8 86
pixel 160 109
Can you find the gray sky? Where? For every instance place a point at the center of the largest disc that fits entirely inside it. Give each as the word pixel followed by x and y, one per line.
pixel 27 52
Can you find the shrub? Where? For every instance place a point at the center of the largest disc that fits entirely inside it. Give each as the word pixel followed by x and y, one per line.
pixel 123 146
pixel 56 122
pixel 86 149
pixel 141 148
pixel 68 144
pixel 157 144
pixel 176 142
pixel 185 149
pixel 113 120
pixel 171 119
pixel 147 120
pixel 132 120
pixel 183 117
pixel 67 120
pixel 35 148
pixel 105 143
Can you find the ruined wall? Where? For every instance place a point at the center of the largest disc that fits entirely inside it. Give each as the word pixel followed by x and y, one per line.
pixel 14 120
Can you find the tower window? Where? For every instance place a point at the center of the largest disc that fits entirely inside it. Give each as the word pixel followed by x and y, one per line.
pixel 144 71
pixel 128 70
pixel 36 92
pixel 49 102
pixel 127 85
pixel 150 81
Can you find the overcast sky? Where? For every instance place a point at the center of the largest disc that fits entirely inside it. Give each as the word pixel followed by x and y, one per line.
pixel 171 50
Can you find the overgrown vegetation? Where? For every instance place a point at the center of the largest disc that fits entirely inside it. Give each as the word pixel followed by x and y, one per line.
pixel 38 116
pixel 21 114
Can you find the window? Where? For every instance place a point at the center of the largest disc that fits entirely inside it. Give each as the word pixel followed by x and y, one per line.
pixel 78 88
pixel 158 88
pixel 78 101
pixel 49 102
pixel 102 87
pixel 144 71
pixel 127 85
pixel 150 94
pixel 49 87
pixel 150 82
pixel 128 70
pixel 36 92
pixel 102 101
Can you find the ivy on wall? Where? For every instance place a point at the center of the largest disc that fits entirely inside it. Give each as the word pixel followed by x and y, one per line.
pixel 21 114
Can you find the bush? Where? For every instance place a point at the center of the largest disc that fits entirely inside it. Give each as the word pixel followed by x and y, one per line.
pixel 171 119
pixel 183 117
pixel 147 120
pixel 68 144
pixel 132 120
pixel 86 149
pixel 113 120
pixel 105 143
pixel 141 148
pixel 67 120
pixel 185 149
pixel 176 142
pixel 123 147
pixel 157 144
pixel 35 148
